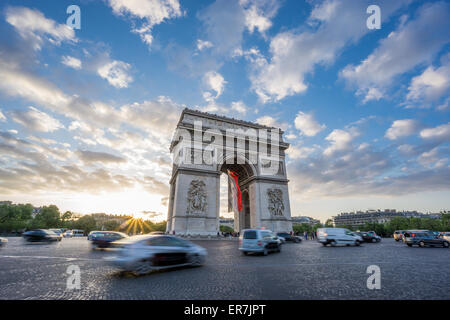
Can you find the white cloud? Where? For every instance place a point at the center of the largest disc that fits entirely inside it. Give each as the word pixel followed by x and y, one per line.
pixel 411 44
pixel 116 73
pixel 431 85
pixel 2 116
pixel 341 140
pixel 201 44
pixel 258 14
pixel 295 54
pixel 213 81
pixel 239 106
pixel 71 62
pixel 36 120
pixel 34 27
pixel 272 122
pixel 154 12
pixel 402 128
pixel 441 132
pixel 307 124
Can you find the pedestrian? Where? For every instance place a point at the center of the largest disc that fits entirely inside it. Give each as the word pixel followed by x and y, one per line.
pixel 306 235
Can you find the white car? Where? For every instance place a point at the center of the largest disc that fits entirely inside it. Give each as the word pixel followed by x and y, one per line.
pixel 68 234
pixel 336 236
pixel 142 254
pixel 3 241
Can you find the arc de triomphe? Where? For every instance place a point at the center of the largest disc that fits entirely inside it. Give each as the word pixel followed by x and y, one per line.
pixel 203 147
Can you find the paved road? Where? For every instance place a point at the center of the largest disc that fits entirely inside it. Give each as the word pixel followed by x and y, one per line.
pixel 300 271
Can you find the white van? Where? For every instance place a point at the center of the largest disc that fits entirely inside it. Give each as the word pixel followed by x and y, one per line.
pixel 335 236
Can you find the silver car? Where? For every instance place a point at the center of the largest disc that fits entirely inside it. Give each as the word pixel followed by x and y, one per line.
pixel 258 241
pixel 3 241
pixel 142 254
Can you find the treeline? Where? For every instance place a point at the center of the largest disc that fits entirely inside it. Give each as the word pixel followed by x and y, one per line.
pixel 16 218
pixel 387 229
pixel 399 223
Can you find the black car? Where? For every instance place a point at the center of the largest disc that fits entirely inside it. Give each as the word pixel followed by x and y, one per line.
pixel 425 239
pixel 289 237
pixel 104 239
pixel 40 235
pixel 369 236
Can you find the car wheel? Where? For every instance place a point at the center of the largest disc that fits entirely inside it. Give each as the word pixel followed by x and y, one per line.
pixel 333 243
pixel 265 252
pixel 357 243
pixel 94 247
pixel 422 244
pixel 142 267
pixel 245 253
pixel 445 244
pixel 374 240
pixel 409 244
pixel 324 244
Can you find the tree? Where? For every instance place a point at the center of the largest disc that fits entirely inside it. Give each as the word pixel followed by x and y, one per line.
pixel 226 229
pixel 86 223
pixel 329 223
pixel 48 217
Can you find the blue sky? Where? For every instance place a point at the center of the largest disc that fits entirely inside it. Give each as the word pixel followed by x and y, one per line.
pixel 87 115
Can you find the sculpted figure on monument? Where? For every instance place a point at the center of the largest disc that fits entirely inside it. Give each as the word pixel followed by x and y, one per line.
pixel 275 199
pixel 196 197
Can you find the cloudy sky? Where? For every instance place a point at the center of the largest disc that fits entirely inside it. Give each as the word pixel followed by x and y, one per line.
pixel 86 115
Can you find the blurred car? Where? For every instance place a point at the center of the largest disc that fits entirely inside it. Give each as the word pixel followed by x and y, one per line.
pixel 144 253
pixel 369 236
pixel 40 235
pixel 68 234
pixel 425 239
pixel 282 239
pixel 398 235
pixel 77 233
pixel 3 241
pixel 259 241
pixel 58 232
pixel 89 237
pixel 410 232
pixel 446 236
pixel 289 237
pixel 105 239
pixel 335 236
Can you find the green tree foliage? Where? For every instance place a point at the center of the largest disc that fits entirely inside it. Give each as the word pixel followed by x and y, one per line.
pixel 86 223
pixel 48 217
pixel 226 229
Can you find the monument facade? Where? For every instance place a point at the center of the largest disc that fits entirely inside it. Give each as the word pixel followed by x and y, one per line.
pixel 206 145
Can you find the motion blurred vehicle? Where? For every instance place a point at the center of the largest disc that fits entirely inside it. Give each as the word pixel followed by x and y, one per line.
pixel 398 235
pixel 289 237
pixel 425 239
pixel 3 241
pixel 58 232
pixel 282 240
pixel 105 239
pixel 68 234
pixel 89 237
pixel 144 253
pixel 410 232
pixel 258 241
pixel 336 236
pixel 40 235
pixel 369 236
pixel 77 233
pixel 446 236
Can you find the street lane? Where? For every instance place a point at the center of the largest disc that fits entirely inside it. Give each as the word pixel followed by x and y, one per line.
pixel 301 271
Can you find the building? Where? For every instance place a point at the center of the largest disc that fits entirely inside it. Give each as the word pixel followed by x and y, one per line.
pixel 359 218
pixel 304 220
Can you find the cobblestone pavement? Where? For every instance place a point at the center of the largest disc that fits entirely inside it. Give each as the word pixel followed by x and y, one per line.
pixel 301 271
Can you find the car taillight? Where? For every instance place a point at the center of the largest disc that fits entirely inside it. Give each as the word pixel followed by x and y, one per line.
pixel 413 235
pixel 260 243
